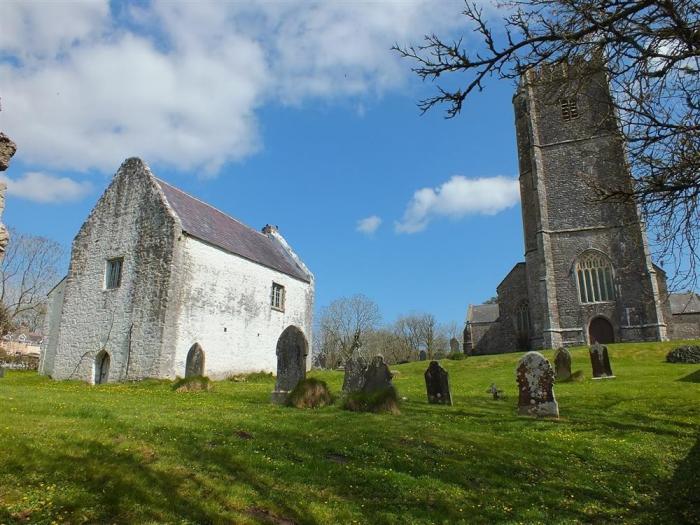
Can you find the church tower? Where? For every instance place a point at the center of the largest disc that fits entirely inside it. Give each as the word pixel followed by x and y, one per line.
pixel 588 272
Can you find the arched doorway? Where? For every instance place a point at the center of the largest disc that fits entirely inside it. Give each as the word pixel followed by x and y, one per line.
pixel 195 361
pixel 292 349
pixel 601 331
pixel 102 361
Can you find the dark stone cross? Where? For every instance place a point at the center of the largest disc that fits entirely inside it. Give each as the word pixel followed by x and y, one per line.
pixel 562 364
pixel 535 378
pixel 437 384
pixel 600 361
pixel 377 376
pixel 355 368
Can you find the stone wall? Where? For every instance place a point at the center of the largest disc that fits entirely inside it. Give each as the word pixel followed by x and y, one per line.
pixel 225 307
pixel 512 294
pixel 130 221
pixel 487 338
pixel 685 326
pixel 52 323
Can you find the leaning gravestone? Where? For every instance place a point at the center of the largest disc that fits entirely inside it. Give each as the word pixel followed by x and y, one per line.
pixel 422 355
pixel 454 345
pixel 562 364
pixel 535 378
pixel 377 376
pixel 600 361
pixel 354 379
pixel 437 384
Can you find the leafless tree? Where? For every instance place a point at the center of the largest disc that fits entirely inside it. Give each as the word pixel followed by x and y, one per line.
pixel 416 332
pixel 344 326
pixel 651 55
pixel 29 271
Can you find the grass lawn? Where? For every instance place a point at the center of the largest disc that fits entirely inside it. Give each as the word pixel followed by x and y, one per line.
pixel 625 450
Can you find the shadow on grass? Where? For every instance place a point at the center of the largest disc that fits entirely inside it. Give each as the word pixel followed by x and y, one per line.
pixel 679 497
pixel 693 377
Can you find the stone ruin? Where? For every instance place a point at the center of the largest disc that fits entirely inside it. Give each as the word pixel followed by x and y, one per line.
pixel 600 362
pixel 437 384
pixel 535 378
pixel 7 150
pixel 562 364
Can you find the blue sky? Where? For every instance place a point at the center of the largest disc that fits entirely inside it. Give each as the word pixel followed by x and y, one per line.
pixel 294 114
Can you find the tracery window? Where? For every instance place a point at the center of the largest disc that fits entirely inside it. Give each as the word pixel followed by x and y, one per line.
pixel 595 278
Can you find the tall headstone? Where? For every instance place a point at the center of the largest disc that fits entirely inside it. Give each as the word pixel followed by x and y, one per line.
pixel 355 368
pixel 422 355
pixel 437 384
pixel 377 376
pixel 454 345
pixel 600 362
pixel 2 372
pixel 535 378
pixel 562 364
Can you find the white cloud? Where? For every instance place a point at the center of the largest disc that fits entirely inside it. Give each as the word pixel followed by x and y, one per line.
pixel 458 197
pixel 181 83
pixel 368 225
pixel 40 187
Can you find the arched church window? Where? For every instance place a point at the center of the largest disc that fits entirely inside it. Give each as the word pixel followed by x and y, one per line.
pixel 595 278
pixel 522 319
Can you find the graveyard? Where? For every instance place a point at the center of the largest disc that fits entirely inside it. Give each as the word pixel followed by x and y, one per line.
pixel 623 450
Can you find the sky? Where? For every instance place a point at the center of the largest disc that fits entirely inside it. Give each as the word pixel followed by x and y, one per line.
pixel 293 113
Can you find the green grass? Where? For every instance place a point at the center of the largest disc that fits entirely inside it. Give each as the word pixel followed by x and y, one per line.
pixel 625 450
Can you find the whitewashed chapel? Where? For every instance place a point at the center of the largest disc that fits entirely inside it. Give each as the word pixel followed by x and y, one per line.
pixel 161 285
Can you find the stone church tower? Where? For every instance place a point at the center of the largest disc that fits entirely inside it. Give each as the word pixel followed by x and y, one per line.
pixel 587 274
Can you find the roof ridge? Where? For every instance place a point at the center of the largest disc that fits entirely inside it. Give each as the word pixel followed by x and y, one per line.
pixel 210 206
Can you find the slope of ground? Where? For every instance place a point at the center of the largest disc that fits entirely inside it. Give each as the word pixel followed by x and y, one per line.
pixel 624 451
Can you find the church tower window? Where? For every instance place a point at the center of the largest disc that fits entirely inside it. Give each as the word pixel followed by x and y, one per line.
pixel 595 278
pixel 569 108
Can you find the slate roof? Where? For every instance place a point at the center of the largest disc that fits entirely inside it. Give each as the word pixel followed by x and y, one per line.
pixel 684 303
pixel 483 313
pixel 215 227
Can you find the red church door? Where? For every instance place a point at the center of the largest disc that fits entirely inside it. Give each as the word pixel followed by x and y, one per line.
pixel 601 331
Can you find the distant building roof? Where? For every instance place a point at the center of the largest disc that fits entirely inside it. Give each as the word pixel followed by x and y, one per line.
pixel 213 226
pixel 482 313
pixel 685 303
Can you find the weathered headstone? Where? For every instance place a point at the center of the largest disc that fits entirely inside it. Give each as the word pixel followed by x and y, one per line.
pixel 454 345
pixel 562 364
pixel 422 355
pixel 377 376
pixel 600 362
pixel 2 372
pixel 535 378
pixel 354 379
pixel 437 384
pixel 291 363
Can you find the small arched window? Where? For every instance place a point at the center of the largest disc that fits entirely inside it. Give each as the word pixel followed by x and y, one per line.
pixel 522 319
pixel 595 278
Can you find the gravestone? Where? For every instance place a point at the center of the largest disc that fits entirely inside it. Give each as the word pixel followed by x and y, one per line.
pixel 422 355
pixel 495 392
pixel 535 378
pixel 291 363
pixel 354 379
pixel 437 384
pixel 454 345
pixel 600 361
pixel 377 376
pixel 562 364
pixel 2 372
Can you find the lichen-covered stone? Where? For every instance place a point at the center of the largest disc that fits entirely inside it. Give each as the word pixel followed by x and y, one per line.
pixel 437 384
pixel 689 354
pixel 562 364
pixel 600 361
pixel 7 150
pixel 535 378
pixel 355 368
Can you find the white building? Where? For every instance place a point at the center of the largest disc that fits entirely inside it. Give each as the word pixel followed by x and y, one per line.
pixel 161 285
